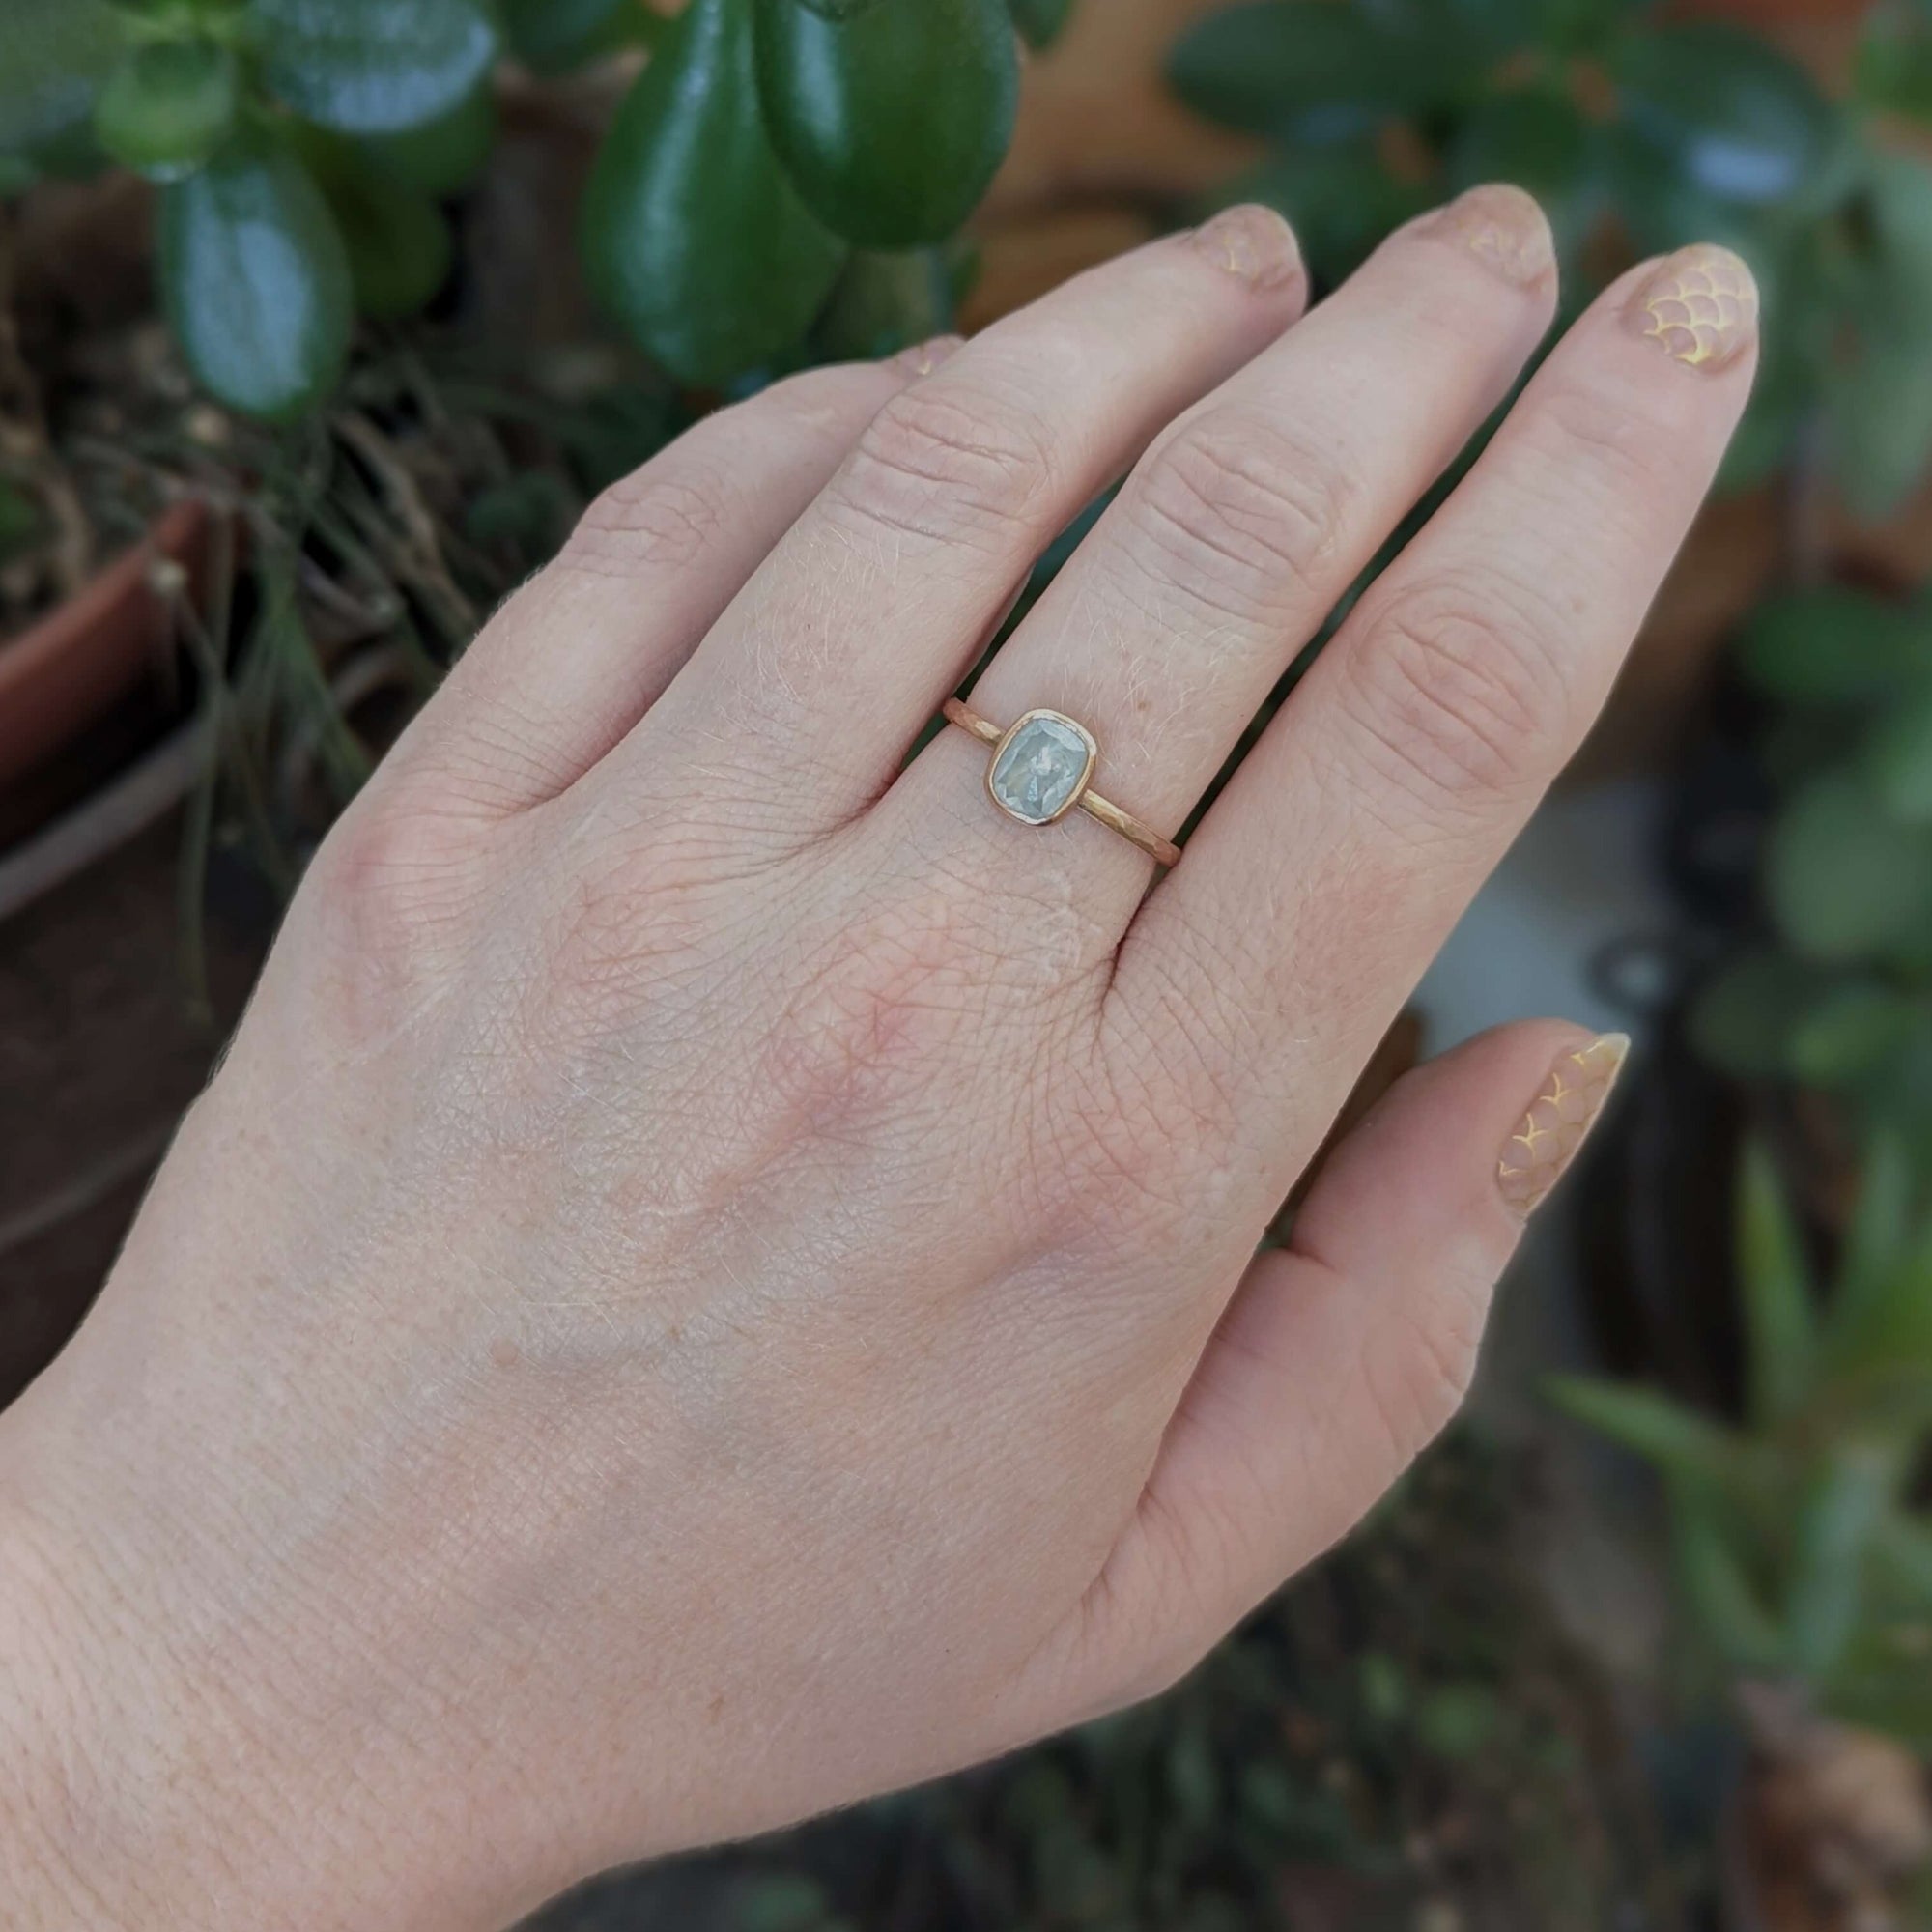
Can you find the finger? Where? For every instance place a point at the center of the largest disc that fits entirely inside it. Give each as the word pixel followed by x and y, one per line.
pixel 1246 523
pixel 873 607
pixel 1343 1355
pixel 582 652
pixel 1332 866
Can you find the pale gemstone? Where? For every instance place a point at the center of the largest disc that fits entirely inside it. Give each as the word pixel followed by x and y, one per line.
pixel 1038 773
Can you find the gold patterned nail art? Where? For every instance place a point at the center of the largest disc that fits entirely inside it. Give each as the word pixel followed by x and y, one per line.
pixel 1503 228
pixel 1560 1118
pixel 1699 305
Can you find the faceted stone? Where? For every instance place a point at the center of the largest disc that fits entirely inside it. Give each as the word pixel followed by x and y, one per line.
pixel 1042 767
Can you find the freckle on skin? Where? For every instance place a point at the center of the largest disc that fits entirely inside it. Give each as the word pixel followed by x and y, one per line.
pixel 504 1352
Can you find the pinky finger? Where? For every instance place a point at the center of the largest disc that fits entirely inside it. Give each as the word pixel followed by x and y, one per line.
pixel 1342 1356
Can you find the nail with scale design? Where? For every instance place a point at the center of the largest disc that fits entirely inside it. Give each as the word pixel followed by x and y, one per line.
pixel 1698 305
pixel 1559 1119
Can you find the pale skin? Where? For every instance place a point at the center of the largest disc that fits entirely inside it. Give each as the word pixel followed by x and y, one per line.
pixel 718 1277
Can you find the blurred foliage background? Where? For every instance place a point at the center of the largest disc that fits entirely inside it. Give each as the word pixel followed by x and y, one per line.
pixel 332 315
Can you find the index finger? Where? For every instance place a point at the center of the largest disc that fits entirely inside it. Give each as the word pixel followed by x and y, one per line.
pixel 1330 869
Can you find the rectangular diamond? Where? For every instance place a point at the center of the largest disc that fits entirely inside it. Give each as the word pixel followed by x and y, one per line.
pixel 1040 771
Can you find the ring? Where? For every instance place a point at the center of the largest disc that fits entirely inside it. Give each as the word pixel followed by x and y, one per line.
pixel 1040 769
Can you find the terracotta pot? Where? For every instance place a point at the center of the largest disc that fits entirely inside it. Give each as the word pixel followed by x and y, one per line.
pixel 79 660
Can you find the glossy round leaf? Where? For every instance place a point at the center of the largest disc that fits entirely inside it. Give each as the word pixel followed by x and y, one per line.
pixel 255 281
pixel 693 235
pixel 167 106
pixel 1846 881
pixel 1741 122
pixel 372 67
pixel 54 55
pixel 891 122
pixel 1893 69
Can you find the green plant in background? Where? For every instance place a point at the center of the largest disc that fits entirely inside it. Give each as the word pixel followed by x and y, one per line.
pixel 1839 996
pixel 1796 1556
pixel 304 150
pixel 1637 135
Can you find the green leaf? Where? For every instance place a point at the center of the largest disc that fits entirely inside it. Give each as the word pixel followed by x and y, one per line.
pixel 54 57
pixel 1836 646
pixel 1881 1326
pixel 1843 880
pixel 398 243
pixel 693 236
pixel 1841 1512
pixel 1041 23
pixel 1738 119
pixel 1877 1240
pixel 1893 69
pixel 554 37
pixel 1675 1438
pixel 441 156
pixel 169 106
pixel 370 66
pixel 892 123
pixel 1717 1587
pixel 1780 1326
pixel 1745 1019
pixel 255 281
pixel 1855 1027
pixel 1310 73
pixel 1879 382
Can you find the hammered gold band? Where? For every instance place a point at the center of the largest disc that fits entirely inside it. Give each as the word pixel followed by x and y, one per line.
pixel 1060 789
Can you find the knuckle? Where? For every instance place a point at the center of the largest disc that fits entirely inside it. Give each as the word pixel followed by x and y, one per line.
pixel 382 898
pixel 660 519
pixel 1459 688
pixel 1242 516
pixel 945 461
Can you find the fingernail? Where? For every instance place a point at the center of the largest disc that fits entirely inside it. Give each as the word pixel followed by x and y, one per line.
pixel 1558 1121
pixel 1503 228
pixel 923 357
pixel 1698 305
pixel 1253 244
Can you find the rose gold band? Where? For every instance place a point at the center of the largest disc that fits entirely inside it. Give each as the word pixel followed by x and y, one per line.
pixel 1164 851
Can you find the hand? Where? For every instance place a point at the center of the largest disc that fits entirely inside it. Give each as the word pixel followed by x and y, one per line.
pixel 717 1276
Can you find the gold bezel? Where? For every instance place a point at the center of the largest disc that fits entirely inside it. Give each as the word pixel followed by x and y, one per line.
pixel 1012 732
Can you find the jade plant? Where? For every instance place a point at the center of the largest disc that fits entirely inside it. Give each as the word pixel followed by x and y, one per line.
pixel 776 162
pixel 1799 1559
pixel 1837 997
pixel 1638 133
